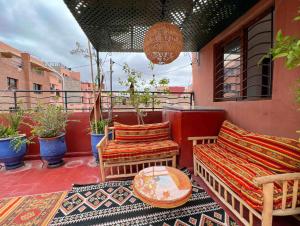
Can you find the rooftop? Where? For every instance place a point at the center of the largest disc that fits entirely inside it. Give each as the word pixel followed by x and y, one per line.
pixel 236 159
pixel 120 26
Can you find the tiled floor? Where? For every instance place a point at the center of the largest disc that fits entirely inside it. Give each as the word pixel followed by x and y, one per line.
pixel 33 179
pixel 277 221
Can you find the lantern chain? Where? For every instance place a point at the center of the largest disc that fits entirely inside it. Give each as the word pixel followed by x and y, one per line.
pixel 163 3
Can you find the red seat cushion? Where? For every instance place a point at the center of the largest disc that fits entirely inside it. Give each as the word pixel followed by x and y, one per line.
pixel 238 174
pixel 119 151
pixel 141 133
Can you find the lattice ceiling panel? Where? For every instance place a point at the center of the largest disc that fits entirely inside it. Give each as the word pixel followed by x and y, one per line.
pixel 120 25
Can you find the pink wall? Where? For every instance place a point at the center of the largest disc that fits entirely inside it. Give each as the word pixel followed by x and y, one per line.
pixel 278 116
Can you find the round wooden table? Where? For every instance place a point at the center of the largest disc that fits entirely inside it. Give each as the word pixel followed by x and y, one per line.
pixel 163 187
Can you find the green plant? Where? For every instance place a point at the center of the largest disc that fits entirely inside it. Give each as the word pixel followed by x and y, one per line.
pixel 7 132
pixel 99 126
pixel 140 92
pixel 288 48
pixel 10 128
pixel 48 120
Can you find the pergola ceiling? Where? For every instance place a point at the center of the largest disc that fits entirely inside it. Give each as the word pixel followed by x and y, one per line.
pixel 120 25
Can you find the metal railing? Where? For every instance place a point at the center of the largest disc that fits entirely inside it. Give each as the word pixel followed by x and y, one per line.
pixel 83 101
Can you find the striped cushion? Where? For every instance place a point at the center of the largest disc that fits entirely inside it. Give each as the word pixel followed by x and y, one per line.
pixel 230 134
pixel 147 150
pixel 238 174
pixel 141 133
pixel 278 154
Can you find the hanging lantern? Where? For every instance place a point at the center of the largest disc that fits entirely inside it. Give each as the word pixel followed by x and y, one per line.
pixel 163 43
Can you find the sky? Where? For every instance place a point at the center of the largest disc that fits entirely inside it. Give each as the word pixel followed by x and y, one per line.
pixel 47 30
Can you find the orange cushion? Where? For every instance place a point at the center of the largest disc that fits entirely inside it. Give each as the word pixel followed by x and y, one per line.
pixel 230 134
pixel 141 133
pixel 238 174
pixel 115 150
pixel 278 154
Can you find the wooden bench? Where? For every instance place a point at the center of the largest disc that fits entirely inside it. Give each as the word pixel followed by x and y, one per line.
pixel 119 159
pixel 275 201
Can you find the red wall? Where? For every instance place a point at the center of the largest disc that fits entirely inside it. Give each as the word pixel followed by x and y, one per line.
pixel 278 116
pixel 186 124
pixel 130 117
pixel 77 132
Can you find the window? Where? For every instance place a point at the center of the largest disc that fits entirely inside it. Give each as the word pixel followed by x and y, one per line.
pixel 227 87
pixel 52 88
pixel 38 71
pixel 12 83
pixel 37 88
pixel 238 76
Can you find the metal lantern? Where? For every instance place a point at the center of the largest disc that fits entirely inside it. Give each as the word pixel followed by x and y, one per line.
pixel 163 43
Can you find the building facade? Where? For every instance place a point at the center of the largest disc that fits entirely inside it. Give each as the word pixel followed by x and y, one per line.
pixel 22 72
pixel 34 81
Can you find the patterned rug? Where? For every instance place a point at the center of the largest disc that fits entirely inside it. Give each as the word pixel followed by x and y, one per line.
pixel 30 210
pixel 113 203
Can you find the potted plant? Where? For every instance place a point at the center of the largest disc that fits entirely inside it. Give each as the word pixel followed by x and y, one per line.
pixel 97 133
pixel 12 144
pixel 48 124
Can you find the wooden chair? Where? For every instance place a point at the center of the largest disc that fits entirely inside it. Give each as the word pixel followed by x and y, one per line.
pixel 129 166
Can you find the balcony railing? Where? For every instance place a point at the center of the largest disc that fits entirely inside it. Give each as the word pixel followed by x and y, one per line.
pixel 83 101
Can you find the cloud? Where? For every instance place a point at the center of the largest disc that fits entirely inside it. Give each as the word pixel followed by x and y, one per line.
pixel 48 30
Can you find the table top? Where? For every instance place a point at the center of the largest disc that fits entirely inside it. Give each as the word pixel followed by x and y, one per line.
pixel 161 186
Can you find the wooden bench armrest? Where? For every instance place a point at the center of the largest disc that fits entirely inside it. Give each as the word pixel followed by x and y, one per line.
pixel 204 139
pixel 268 184
pixel 276 178
pixel 102 142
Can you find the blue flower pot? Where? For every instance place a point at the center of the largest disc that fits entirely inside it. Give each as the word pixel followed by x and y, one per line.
pixel 95 139
pixel 11 158
pixel 53 150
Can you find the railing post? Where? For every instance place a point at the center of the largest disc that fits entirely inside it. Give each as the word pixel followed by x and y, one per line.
pixel 191 98
pixel 111 102
pixel 66 101
pixel 15 100
pixel 153 104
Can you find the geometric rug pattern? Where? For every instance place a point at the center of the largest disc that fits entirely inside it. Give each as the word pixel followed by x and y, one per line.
pixel 30 210
pixel 113 203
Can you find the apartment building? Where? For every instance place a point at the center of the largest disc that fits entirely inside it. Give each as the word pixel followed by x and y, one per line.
pixel 23 72
pixel 35 81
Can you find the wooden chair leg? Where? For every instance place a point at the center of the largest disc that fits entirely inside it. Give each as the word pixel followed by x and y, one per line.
pixel 195 165
pixel 101 165
pixel 267 213
pixel 174 161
